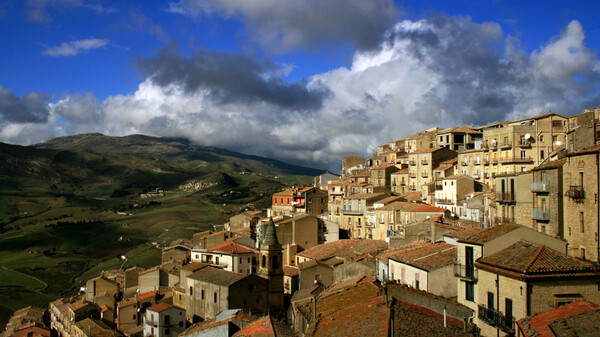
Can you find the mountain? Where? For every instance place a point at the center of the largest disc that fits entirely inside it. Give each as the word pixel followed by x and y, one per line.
pixel 167 148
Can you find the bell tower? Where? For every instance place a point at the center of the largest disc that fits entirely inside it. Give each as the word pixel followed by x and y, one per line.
pixel 271 268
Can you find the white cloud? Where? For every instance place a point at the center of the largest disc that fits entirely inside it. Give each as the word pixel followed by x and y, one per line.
pixel 73 48
pixel 446 71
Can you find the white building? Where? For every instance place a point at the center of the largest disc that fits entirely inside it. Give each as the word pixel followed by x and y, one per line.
pixel 163 320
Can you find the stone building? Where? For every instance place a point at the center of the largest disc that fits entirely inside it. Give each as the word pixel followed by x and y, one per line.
pixel 513 198
pixel 309 200
pixel 381 174
pixel 580 184
pixel 355 212
pixel 399 181
pixel 547 213
pixel 526 279
pixel 352 164
pixel 163 320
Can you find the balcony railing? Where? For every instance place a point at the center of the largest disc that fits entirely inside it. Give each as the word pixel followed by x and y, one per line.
pixel 464 272
pixel 477 163
pixel 576 193
pixel 525 145
pixel 412 163
pixel 464 163
pixel 493 146
pixel 505 197
pixel 424 174
pixel 539 187
pixel 540 214
pixel 516 160
pixel 444 201
pixel 413 175
pixel 505 145
pixel 497 319
pixel 351 211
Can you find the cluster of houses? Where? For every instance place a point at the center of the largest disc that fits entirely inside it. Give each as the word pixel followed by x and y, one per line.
pixel 464 231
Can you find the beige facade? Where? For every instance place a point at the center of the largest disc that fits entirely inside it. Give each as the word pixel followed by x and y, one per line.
pixel 421 140
pixel 422 163
pixel 514 200
pixel 454 189
pixel 381 175
pixel 356 209
pixel 309 200
pixel 399 181
pixel 547 194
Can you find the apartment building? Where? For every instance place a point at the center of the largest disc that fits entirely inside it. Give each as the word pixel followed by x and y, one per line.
pixel 356 211
pixel 309 200
pixel 454 189
pixel 399 182
pixel 421 140
pixel 513 198
pixel 459 139
pixel 423 162
pixel 381 174
pixel 519 146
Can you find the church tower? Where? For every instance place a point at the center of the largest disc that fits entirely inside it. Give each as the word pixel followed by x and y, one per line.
pixel 271 268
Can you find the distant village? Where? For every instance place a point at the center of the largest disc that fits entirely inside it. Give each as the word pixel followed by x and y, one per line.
pixel 466 231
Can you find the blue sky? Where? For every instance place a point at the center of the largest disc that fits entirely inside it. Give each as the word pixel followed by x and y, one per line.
pixel 303 81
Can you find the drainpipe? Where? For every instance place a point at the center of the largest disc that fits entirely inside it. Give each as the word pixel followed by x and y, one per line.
pixel 498 300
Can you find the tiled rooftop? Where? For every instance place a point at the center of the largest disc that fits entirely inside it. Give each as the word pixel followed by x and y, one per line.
pixel 355 311
pixel 290 270
pixel 350 249
pixel 216 276
pixel 428 209
pixel 194 266
pixel 400 206
pixel 489 234
pixel 413 320
pixel 539 325
pixel 428 256
pixel 412 196
pixel 261 327
pixel 366 196
pixel 525 260
pixel 159 307
pixel 586 324
pixel 464 233
pixel 465 129
pixel 232 247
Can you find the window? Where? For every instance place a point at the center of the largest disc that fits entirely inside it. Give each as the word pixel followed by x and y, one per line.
pixel 215 297
pixel 167 332
pixel 541 138
pixel 490 300
pixel 202 294
pixel 181 324
pixel 583 253
pixel 191 291
pixel 542 155
pixel 581 223
pixel 470 291
pixel 508 309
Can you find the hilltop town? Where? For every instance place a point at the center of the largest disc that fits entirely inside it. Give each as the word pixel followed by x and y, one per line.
pixel 465 231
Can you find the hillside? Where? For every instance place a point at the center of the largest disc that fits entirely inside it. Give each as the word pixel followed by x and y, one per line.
pixel 71 207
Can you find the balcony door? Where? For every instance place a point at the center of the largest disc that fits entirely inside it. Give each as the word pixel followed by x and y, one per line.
pixel 469 261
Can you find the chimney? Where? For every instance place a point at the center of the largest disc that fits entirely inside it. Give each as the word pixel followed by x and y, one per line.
pixel 433 232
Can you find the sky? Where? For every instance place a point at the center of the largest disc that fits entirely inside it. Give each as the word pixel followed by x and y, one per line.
pixel 303 81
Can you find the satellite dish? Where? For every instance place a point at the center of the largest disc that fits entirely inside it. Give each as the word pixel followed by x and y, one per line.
pixel 558 143
pixel 527 136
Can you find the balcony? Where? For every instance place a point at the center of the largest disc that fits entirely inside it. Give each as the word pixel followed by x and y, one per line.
pixel 486 161
pixel 412 163
pixel 516 160
pixel 505 146
pixel 424 174
pixel 468 273
pixel 424 162
pixel 352 211
pixel 497 319
pixel 505 197
pixel 576 193
pixel 525 144
pixel 413 175
pixel 464 163
pixel 477 162
pixel 494 161
pixel 444 201
pixel 540 187
pixel 540 214
pixel 476 176
pixel 494 146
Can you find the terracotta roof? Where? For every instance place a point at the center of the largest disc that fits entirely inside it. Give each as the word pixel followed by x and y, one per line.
pixel 388 200
pixel 194 266
pixel 449 162
pixel 403 171
pixel 292 219
pixel 586 324
pixel 464 233
pixel 262 327
pixel 284 193
pixel 354 311
pixel 539 325
pixel 428 208
pixel 526 260
pixel 354 248
pixel 427 150
pixel 588 150
pixel 418 321
pixel 216 276
pixel 400 206
pixel 465 129
pixel 290 271
pixel 147 295
pixel 93 327
pixel 428 257
pixel 412 196
pixel 551 165
pixel 160 307
pixel 490 234
pixel 232 247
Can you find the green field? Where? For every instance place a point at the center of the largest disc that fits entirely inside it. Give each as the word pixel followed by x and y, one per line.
pixel 12 277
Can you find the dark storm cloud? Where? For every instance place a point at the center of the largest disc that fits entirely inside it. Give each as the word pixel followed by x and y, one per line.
pixel 280 25
pixel 32 108
pixel 229 78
